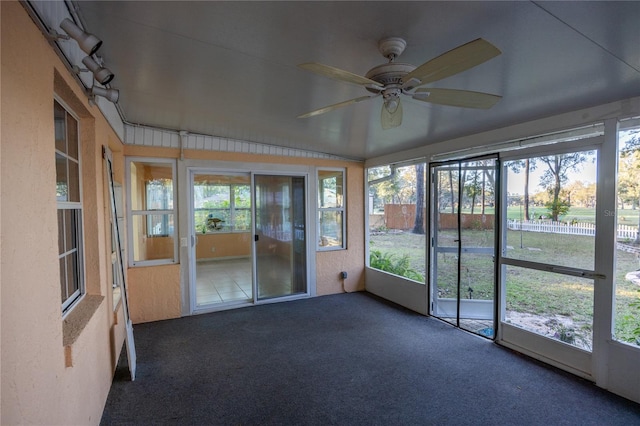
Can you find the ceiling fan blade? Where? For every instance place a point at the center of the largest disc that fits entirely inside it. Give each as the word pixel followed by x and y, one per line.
pixel 459 98
pixel 390 118
pixel 453 62
pixel 338 74
pixel 336 106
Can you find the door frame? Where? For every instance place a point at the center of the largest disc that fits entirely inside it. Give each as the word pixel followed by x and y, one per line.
pixel 186 169
pixel 559 354
pixel 433 233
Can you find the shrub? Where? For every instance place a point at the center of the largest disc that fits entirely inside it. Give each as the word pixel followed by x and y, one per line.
pixel 389 262
pixel 630 324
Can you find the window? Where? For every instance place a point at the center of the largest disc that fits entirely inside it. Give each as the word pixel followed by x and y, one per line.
pixel 222 203
pixel 331 223
pixel 69 207
pixel 627 261
pixel 397 203
pixel 152 215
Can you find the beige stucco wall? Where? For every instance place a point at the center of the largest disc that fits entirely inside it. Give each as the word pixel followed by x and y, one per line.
pixel 329 264
pixel 154 293
pixel 37 387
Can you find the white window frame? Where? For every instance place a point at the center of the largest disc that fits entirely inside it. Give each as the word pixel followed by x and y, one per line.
pixel 131 213
pixel 342 210
pixel 73 299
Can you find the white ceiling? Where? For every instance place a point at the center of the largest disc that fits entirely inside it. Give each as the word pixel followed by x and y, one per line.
pixel 229 69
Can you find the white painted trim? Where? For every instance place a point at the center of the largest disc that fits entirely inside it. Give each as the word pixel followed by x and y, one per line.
pixel 163 138
pixel 404 292
pixel 565 357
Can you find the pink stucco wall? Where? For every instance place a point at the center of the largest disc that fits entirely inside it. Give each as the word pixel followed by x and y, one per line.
pixel 42 381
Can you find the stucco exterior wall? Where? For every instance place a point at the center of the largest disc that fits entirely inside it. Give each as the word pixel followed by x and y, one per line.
pixel 42 381
pixel 154 293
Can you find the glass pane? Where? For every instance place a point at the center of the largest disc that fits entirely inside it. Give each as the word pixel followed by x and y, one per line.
pixel 69 231
pixel 330 228
pixel 62 185
pixel 72 137
pixel 74 181
pixel 73 276
pixel 375 173
pixel 60 127
pixel 551 209
pixel 330 193
pixel 151 186
pixel 627 276
pixel 397 220
pixel 61 232
pixel 153 237
pixel 222 203
pixel 159 194
pixel 242 196
pixel 556 306
pixel 280 248
pixel 223 268
pixel 63 279
pixel 242 220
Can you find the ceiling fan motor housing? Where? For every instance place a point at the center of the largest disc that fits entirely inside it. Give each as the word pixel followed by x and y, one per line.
pixel 389 75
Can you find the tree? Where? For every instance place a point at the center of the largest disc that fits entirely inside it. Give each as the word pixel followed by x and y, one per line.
pixel 556 175
pixel 629 176
pixel 473 188
pixel 418 227
pixel 528 165
pixel 580 193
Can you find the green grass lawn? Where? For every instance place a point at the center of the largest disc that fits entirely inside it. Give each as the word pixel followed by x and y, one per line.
pixel 528 291
pixel 581 214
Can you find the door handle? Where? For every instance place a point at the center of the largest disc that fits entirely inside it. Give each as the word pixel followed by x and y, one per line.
pixel 256 238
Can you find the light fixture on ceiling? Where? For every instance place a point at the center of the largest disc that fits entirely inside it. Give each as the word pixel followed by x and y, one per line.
pixel 391 113
pixel 87 42
pixel 101 74
pixel 109 94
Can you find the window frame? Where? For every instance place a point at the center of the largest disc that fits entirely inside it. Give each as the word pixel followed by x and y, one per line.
pixel 371 181
pixel 133 213
pixel 342 210
pixel 76 207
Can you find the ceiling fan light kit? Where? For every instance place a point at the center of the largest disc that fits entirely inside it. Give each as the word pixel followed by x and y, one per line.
pixel 392 79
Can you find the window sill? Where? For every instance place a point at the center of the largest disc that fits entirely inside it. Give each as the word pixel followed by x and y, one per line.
pixel 75 322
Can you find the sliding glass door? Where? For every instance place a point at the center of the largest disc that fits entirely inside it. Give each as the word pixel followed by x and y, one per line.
pixel 280 237
pixel 249 240
pixel 463 249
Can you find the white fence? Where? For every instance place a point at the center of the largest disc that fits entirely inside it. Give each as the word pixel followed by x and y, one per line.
pixel 625 232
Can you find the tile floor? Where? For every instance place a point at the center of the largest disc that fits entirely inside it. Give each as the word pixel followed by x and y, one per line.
pixel 229 280
pixel 219 281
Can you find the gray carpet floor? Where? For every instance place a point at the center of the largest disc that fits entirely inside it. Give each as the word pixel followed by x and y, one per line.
pixel 347 359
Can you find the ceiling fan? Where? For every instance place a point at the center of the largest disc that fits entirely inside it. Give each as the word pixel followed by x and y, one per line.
pixel 392 79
